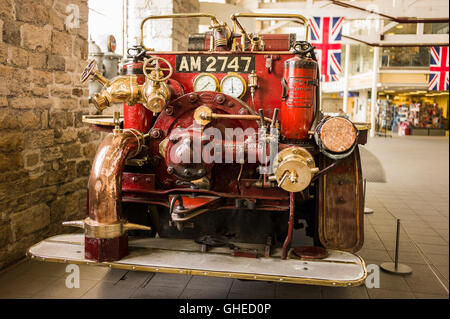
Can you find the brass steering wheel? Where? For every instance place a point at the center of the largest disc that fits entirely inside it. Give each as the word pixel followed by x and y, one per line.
pixel 89 70
pixel 153 70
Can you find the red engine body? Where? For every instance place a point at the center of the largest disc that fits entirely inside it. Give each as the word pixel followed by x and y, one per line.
pixel 136 116
pixel 236 194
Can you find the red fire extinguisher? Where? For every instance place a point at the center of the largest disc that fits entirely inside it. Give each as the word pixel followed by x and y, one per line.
pixel 298 101
pixel 136 116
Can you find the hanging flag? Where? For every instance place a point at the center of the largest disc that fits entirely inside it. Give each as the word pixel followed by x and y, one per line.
pixel 438 80
pixel 326 35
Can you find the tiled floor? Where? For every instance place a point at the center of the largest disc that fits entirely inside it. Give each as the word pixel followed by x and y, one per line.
pixel 409 180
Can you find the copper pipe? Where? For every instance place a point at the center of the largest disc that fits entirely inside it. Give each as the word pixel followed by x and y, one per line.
pixel 105 180
pixel 290 226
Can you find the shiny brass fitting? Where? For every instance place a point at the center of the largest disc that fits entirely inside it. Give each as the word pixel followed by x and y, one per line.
pixel 119 89
pixel 93 229
pixel 294 168
pixel 156 95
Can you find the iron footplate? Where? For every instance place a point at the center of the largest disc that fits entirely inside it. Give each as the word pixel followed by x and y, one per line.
pixel 178 256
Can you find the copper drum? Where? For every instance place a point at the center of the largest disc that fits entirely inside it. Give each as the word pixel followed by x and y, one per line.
pixel 338 134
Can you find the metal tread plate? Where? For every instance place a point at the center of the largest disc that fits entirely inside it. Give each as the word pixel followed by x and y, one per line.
pixel 338 269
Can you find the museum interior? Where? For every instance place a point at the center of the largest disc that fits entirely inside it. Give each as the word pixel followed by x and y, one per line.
pixel 101 100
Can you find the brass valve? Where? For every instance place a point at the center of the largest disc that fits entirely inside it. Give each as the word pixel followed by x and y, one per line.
pixel 294 168
pixel 155 91
pixel 154 94
pixel 119 89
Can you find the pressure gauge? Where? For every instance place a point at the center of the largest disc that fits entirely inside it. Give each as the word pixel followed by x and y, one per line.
pixel 233 84
pixel 206 82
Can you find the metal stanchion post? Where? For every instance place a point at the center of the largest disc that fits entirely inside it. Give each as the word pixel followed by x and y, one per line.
pixel 396 267
pixel 367 210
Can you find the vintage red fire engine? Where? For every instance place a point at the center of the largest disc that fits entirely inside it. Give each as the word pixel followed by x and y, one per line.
pixel 221 153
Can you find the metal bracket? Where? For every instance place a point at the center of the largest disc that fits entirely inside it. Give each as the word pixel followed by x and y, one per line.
pixel 269 62
pixel 267 247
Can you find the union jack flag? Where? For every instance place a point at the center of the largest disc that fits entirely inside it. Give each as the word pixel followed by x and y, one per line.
pixel 438 80
pixel 326 35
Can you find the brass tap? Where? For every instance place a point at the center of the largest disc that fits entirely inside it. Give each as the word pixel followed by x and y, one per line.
pixel 154 94
pixel 155 91
pixel 119 89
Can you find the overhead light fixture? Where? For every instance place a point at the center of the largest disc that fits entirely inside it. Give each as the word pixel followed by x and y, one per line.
pixel 399 26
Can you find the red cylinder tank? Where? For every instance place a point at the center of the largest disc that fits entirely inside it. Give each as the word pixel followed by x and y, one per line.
pixel 136 116
pixel 299 97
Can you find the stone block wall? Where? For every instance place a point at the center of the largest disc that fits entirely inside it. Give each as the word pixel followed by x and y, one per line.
pixel 164 34
pixel 45 149
pixel 184 27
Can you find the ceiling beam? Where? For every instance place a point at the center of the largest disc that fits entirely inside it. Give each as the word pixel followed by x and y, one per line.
pixel 426 10
pixel 399 40
pixel 389 26
pixel 401 19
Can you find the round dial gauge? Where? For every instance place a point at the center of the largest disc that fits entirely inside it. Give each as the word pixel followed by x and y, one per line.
pixel 233 84
pixel 205 82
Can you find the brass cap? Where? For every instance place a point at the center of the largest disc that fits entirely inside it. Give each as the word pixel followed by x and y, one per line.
pixel 99 101
pixel 155 103
pixel 294 168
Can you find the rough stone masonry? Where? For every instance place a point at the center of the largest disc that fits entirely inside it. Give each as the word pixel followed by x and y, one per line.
pixel 45 149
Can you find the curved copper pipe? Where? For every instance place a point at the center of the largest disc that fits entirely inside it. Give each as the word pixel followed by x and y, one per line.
pixel 288 239
pixel 105 180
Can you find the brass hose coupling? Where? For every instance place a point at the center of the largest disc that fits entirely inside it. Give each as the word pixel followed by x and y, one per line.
pixel 120 89
pixel 294 168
